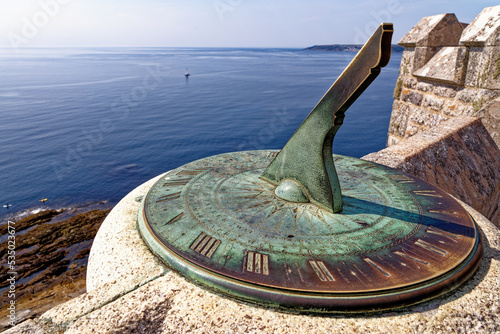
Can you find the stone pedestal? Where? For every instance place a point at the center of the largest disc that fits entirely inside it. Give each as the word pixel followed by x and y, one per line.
pixel 129 290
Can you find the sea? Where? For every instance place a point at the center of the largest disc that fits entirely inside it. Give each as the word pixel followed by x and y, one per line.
pixel 80 126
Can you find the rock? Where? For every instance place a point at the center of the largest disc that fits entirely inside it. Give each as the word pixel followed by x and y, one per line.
pixel 42 243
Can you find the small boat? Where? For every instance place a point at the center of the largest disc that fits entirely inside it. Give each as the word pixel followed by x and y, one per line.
pixel 8 205
pixel 186 74
pixel 43 200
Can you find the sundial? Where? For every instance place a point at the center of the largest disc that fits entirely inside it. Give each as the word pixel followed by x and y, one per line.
pixel 305 230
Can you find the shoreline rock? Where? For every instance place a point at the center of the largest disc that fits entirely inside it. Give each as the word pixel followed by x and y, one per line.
pixel 51 254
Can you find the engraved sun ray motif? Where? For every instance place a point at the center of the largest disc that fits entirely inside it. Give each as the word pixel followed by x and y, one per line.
pixel 413 258
pixel 168 197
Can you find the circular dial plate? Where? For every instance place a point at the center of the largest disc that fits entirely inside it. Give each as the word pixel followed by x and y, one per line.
pixel 394 231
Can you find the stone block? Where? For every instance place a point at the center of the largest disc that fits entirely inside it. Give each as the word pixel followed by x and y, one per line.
pixel 448 65
pixel 445 91
pixel 491 119
pixel 399 119
pixel 458 156
pixel 412 96
pixel 425 87
pixel 433 102
pixel 455 108
pixel 422 56
pixel 483 69
pixel 392 140
pixel 424 117
pixel 406 65
pixel 476 98
pixel 467 95
pixel 437 30
pixel 484 30
pixel 410 82
pixel 411 130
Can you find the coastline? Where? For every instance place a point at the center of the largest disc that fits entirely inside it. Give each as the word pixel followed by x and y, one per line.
pixel 347 48
pixel 44 262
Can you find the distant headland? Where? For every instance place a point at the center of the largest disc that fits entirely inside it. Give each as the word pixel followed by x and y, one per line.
pixel 348 47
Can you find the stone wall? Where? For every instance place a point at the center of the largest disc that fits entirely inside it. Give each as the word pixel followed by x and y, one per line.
pixel 448 69
pixel 459 156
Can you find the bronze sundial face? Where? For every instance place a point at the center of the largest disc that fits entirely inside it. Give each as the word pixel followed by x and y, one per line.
pixel 273 228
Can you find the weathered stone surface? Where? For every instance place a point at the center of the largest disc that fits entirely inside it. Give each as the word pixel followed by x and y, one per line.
pixel 132 266
pixel 433 102
pixel 399 118
pixel 476 97
pixel 425 87
pixel 437 30
pixel 392 140
pixel 423 117
pixel 454 109
pixel 445 91
pixel 484 30
pixel 459 156
pixel 410 82
pixel 423 55
pixel 27 327
pixel 483 68
pixel 412 96
pixel 407 59
pixel 491 119
pixel 448 65
pixel 411 130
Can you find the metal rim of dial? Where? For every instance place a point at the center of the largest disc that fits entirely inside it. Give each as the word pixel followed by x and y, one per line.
pixel 398 241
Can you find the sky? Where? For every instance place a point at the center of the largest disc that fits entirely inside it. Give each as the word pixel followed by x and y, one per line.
pixel 213 23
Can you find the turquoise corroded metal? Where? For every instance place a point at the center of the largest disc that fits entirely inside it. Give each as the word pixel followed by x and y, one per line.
pixel 306 230
pixel 398 240
pixel 307 157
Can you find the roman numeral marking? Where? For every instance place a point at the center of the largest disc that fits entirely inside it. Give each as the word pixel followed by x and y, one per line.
pixel 430 247
pixel 366 165
pixel 192 172
pixel 175 183
pixel 411 257
pixel 429 193
pixel 169 197
pixel 257 263
pixel 402 178
pixel 205 245
pixel 443 233
pixel 376 266
pixel 176 218
pixel 322 271
pixel 446 212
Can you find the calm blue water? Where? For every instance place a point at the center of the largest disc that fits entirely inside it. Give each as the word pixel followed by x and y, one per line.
pixel 84 125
